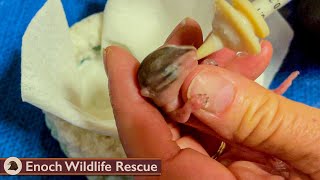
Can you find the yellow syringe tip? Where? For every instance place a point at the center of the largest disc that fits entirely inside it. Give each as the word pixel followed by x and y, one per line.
pixel 213 43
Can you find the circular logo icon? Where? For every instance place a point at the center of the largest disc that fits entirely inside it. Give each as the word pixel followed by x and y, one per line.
pixel 12 166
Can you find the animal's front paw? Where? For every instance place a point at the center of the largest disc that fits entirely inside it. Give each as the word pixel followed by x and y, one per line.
pixel 199 101
pixel 193 104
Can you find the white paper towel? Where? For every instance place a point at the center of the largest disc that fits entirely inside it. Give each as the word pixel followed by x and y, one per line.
pixel 51 79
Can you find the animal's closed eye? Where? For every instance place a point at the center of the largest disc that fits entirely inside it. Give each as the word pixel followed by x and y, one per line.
pixel 169 76
pixel 170 72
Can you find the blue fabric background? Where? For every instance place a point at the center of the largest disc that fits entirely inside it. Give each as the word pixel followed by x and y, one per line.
pixel 22 129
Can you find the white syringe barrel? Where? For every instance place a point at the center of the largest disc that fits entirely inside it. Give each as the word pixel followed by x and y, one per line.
pixel 267 7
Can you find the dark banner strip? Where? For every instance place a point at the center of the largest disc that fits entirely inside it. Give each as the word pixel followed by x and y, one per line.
pixel 79 166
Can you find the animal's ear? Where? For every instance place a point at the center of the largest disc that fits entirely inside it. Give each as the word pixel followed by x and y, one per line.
pixel 145 92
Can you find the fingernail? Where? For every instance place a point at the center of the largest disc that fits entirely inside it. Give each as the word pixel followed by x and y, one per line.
pixel 184 21
pixel 221 91
pixel 106 56
pixel 178 27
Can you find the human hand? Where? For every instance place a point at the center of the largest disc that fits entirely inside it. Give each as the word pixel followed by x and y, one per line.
pixel 144 131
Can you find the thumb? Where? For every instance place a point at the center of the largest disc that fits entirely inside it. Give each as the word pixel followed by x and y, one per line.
pixel 243 112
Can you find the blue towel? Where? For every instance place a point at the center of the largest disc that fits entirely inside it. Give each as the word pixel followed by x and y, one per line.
pixel 22 128
pixel 302 57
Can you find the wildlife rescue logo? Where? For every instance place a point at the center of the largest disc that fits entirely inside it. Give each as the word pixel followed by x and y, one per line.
pixel 12 166
pixel 80 166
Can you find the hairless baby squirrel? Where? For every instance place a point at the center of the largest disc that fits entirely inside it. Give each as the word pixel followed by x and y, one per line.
pixel 163 72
